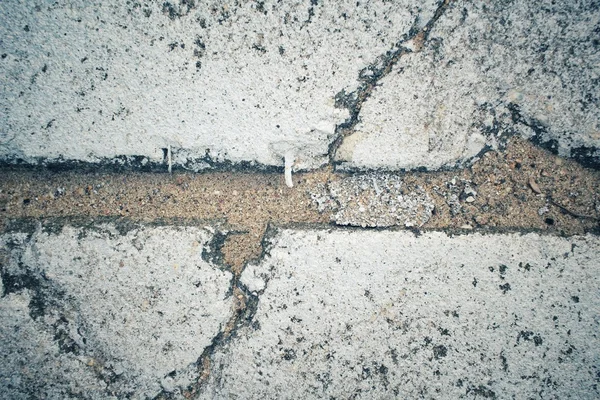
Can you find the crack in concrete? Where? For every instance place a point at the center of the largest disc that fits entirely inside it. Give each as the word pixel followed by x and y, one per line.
pixel 583 155
pixel 48 298
pixel 244 204
pixel 371 75
pixel 125 163
pixel 245 302
pixel 244 307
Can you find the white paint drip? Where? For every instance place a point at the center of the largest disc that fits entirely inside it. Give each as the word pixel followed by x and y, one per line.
pixel 288 163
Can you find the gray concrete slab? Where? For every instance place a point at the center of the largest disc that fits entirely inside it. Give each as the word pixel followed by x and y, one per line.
pixel 232 83
pixel 488 70
pixel 367 314
pixel 96 313
pixel 222 82
pixel 105 311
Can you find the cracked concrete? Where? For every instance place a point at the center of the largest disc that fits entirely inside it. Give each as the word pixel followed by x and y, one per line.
pixel 432 241
pixel 116 311
pixel 107 313
pixel 220 83
pixel 487 70
pixel 373 85
pixel 358 314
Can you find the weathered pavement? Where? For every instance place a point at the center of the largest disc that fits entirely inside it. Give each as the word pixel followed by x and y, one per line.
pixel 389 85
pixel 143 312
pixel 442 241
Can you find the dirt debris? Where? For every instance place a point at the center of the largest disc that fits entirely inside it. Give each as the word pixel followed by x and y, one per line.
pixel 520 188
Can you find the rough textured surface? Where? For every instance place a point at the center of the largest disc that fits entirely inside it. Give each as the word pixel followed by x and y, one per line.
pixel 487 70
pixel 94 313
pixel 388 314
pixel 495 193
pixel 373 200
pixel 185 285
pixel 225 81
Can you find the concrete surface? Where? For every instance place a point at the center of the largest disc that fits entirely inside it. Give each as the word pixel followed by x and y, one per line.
pixel 108 311
pixel 261 299
pixel 96 313
pixel 364 314
pixel 488 70
pixel 247 82
pixel 219 82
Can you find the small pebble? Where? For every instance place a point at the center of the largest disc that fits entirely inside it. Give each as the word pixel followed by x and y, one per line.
pixel 534 186
pixel 481 220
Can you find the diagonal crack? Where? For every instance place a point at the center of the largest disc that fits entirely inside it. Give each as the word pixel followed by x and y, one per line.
pixel 244 307
pixel 371 75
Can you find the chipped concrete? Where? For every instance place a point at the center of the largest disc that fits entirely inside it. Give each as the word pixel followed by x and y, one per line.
pixel 227 82
pixel 487 70
pixel 358 314
pixel 373 200
pixel 97 313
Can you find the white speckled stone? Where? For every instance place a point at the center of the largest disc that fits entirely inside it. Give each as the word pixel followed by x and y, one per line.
pixel 442 105
pixel 367 314
pixel 92 312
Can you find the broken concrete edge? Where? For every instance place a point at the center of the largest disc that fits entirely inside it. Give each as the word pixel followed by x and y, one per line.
pixel 137 163
pixel 123 225
pixel 339 167
pixel 371 75
pixel 587 157
pixel 418 231
pixel 220 230
pixel 121 164
pixel 500 131
pixel 213 252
